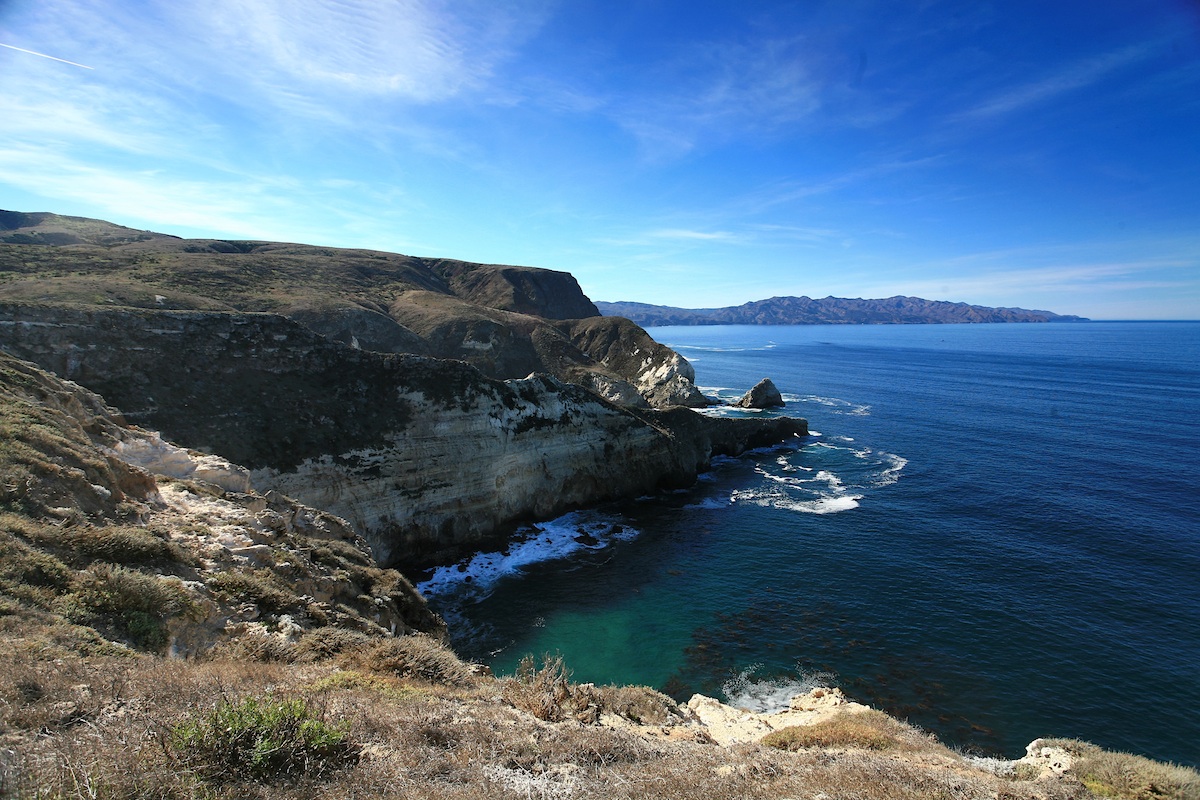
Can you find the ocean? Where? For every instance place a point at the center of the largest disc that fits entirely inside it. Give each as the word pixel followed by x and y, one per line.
pixel 993 532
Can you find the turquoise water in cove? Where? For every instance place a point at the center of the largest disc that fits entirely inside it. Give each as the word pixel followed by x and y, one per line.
pixel 994 532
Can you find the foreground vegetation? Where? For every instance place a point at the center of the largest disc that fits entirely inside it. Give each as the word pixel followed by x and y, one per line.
pixel 405 718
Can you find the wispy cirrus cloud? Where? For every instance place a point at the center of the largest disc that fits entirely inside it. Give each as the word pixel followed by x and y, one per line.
pixel 715 90
pixel 683 234
pixel 188 105
pixel 418 50
pixel 1070 78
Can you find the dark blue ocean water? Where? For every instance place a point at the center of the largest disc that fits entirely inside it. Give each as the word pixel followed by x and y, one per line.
pixel 993 532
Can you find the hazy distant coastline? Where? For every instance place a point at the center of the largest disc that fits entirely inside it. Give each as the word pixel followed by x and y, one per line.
pixel 829 310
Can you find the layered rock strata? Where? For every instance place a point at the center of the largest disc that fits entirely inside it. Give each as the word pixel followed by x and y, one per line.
pixel 427 458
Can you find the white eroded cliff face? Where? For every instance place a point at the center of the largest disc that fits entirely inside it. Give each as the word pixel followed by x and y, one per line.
pixel 534 448
pixel 426 457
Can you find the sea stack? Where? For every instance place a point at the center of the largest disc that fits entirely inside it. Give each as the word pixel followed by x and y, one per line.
pixel 763 395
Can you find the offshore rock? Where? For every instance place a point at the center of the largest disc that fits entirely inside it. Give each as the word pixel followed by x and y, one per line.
pixel 426 458
pixel 763 395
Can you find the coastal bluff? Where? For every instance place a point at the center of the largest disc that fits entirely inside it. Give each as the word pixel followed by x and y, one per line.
pixel 432 403
pixel 506 321
pixel 427 458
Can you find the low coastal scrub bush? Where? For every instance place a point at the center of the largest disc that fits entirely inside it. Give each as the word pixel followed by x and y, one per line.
pixel 1128 777
pixel 260 587
pixel 547 693
pixel 132 604
pixel 639 704
pixel 264 740
pixel 119 544
pixel 417 657
pixel 136 603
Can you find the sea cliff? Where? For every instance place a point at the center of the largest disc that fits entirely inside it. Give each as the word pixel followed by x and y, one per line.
pixel 427 458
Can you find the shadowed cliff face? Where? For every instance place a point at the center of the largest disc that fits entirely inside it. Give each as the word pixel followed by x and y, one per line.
pixel 501 319
pixel 426 457
pixel 108 527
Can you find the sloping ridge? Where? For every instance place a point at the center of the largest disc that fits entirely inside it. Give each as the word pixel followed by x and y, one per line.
pixel 829 311
pixel 497 318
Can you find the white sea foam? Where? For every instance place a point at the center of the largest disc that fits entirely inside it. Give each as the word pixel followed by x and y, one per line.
pixel 770 695
pixel 828 446
pixel 544 541
pixel 709 502
pixel 891 474
pixel 776 497
pixel 826 505
pixel 834 404
pixel 834 481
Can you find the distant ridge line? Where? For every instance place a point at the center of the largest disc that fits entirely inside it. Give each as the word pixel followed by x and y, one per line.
pixel 897 310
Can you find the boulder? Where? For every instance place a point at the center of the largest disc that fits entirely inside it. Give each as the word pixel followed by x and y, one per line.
pixel 763 395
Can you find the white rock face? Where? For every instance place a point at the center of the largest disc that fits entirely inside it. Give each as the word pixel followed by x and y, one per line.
pixel 155 455
pixel 728 725
pixel 456 475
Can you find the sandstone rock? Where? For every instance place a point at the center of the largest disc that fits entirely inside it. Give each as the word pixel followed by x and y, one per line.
pixel 728 725
pixel 763 395
pixel 662 376
pixel 426 458
pixel 1050 761
pixel 148 451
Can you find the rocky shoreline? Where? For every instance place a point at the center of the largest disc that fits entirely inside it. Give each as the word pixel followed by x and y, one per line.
pixel 427 458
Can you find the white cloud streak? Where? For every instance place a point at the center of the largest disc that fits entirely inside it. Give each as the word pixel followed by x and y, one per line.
pixel 1073 77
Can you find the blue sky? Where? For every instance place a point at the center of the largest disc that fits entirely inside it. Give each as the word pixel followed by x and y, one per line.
pixel 680 152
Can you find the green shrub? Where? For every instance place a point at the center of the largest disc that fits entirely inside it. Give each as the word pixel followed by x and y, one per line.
pixel 137 603
pixel 265 740
pixel 260 587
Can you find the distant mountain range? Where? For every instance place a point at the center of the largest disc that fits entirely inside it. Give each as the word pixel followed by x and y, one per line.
pixel 829 311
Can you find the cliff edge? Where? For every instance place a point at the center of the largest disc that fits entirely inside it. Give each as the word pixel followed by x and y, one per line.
pixel 500 319
pixel 426 458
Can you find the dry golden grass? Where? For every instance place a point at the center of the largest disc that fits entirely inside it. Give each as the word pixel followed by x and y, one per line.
pixel 110 727
pixel 867 731
pixel 1126 776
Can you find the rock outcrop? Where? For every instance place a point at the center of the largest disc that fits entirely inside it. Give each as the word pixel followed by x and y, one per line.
pixel 427 458
pixel 657 372
pixel 503 320
pixel 728 725
pixel 762 395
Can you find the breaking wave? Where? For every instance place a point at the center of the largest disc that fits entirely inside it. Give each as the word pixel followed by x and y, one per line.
pixel 771 694
pixel 533 544
pixel 819 477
